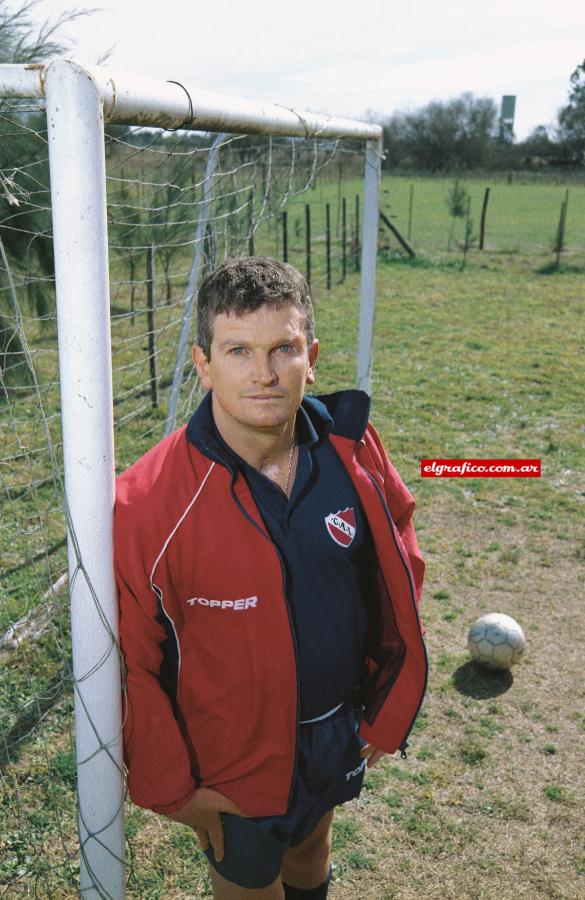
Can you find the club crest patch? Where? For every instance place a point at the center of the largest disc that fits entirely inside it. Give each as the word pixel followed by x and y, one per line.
pixel 341 526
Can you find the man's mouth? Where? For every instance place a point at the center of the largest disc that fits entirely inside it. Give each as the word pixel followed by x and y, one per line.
pixel 265 396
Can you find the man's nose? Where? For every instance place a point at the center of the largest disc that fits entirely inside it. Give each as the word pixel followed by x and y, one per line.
pixel 264 370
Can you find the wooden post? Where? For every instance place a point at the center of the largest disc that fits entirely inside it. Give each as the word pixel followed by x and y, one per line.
pixel 404 244
pixel 486 198
pixel 410 204
pixel 132 287
pixel 234 220
pixel 284 235
pixel 209 247
pixel 561 228
pixel 251 223
pixel 308 241
pixel 328 243
pixel 150 321
pixel 339 180
pixel 343 239
pixel 467 241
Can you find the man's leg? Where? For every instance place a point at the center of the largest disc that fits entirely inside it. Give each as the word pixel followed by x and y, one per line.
pixel 306 866
pixel 227 890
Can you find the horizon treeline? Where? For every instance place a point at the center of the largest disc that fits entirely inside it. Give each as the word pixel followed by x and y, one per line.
pixel 466 133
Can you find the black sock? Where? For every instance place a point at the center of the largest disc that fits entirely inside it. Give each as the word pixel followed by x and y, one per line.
pixel 317 893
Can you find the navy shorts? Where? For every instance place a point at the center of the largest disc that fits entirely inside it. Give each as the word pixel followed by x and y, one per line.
pixel 329 771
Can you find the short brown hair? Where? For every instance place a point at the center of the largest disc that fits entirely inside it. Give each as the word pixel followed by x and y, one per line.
pixel 245 284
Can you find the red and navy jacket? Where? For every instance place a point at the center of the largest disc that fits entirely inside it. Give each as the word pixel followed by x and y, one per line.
pixel 197 569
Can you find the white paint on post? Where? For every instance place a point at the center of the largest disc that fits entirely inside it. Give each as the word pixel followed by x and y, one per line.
pixel 368 265
pixel 19 81
pixel 78 196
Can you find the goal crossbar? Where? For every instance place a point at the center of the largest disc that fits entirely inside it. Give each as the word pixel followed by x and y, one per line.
pixel 134 100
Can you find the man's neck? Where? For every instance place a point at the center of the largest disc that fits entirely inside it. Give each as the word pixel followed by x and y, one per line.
pixel 256 446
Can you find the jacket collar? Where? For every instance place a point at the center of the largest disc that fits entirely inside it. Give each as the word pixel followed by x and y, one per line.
pixel 344 413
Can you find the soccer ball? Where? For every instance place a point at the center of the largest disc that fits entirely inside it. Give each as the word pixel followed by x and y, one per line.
pixel 496 641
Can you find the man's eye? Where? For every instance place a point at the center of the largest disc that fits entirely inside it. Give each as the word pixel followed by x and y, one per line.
pixel 238 351
pixel 285 348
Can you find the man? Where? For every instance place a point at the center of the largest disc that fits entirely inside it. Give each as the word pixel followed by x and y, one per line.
pixel 269 578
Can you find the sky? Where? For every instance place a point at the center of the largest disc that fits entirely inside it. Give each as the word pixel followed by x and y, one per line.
pixel 340 57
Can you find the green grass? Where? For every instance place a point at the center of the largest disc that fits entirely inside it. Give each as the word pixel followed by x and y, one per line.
pixel 555 792
pixel 521 217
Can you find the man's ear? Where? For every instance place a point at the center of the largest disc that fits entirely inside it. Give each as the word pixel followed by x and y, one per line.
pixel 201 363
pixel 313 354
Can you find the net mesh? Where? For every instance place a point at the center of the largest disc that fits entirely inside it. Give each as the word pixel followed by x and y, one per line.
pixel 178 203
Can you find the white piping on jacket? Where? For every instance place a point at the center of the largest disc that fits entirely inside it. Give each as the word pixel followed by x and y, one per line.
pixel 155 587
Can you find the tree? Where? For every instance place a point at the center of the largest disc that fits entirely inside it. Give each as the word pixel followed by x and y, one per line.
pixel 24 41
pixel 25 225
pixel 538 142
pixel 457 201
pixel 571 119
pixel 443 135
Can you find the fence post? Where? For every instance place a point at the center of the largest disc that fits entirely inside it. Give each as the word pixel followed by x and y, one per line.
pixel 78 200
pixel 561 228
pixel 308 241
pixel 410 205
pixel 132 287
pixel 368 265
pixel 251 223
pixel 339 180
pixel 150 326
pixel 486 198
pixel 284 235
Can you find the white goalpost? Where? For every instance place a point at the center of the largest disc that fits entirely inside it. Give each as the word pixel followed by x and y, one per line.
pixel 80 102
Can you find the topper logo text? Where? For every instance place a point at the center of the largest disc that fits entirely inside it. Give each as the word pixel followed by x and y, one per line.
pixel 244 603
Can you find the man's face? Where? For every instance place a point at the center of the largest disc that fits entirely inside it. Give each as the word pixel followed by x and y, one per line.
pixel 259 366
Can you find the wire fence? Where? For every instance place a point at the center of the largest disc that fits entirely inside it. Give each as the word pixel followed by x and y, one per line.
pixel 505 216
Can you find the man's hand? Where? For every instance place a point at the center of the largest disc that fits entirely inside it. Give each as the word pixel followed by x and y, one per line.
pixel 372 754
pixel 201 813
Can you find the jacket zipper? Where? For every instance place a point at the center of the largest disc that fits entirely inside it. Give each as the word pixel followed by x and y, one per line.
pixel 404 743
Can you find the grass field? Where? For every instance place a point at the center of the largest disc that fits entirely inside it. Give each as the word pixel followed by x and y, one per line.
pixel 483 362
pixel 521 217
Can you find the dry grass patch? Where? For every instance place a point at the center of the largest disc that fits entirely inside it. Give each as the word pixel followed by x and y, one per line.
pixel 491 800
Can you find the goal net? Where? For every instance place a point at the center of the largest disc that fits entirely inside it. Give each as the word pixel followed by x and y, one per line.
pixel 176 202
